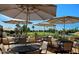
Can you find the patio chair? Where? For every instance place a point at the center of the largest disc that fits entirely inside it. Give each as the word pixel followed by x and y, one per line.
pixel 3 42
pixel 20 38
pixel 44 47
pixel 5 39
pixel 2 49
pixel 52 44
pixel 66 47
pixel 7 42
pixel 38 39
pixel 28 39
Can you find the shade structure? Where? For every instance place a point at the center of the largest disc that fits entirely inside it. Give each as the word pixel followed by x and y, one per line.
pixel 68 19
pixel 8 29
pixel 17 21
pixel 44 24
pixel 65 20
pixel 29 11
pixel 53 20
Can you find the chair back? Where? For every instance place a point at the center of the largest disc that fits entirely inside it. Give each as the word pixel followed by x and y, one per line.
pixel 44 45
pixel 28 39
pixel 53 42
pixel 6 41
pixel 2 49
pixel 68 46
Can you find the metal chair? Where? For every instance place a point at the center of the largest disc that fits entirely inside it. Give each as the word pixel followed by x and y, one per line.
pixel 66 47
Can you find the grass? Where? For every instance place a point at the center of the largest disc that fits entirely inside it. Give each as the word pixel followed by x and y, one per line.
pixel 75 35
pixel 39 33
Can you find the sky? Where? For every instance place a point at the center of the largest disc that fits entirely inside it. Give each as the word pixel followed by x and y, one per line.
pixel 62 10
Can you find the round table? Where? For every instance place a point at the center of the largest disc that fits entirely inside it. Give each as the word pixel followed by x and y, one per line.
pixel 25 49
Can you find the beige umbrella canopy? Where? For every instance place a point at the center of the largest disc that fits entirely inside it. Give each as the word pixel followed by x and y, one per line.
pixel 44 24
pixel 53 20
pixel 8 29
pixel 61 20
pixel 29 11
pixel 68 19
pixel 17 21
pixel 64 20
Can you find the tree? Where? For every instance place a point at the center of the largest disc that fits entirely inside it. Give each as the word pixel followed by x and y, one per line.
pixel 18 26
pixel 51 30
pixel 24 28
pixel 16 31
pixel 33 27
pixel 28 29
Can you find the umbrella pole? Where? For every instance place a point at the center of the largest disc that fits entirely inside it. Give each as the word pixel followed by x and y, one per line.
pixel 50 32
pixel 64 28
pixel 44 30
pixel 27 18
pixel 55 30
pixel 54 27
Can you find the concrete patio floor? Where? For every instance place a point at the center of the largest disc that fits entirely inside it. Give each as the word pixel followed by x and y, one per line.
pixel 48 52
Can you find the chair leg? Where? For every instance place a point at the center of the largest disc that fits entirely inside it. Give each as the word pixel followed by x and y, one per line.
pixel 46 52
pixel 40 51
pixel 1 50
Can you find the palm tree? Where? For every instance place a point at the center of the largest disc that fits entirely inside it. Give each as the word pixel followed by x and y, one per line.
pixel 17 25
pixel 33 27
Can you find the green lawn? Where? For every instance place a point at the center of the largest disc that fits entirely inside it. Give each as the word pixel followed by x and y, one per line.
pixel 40 33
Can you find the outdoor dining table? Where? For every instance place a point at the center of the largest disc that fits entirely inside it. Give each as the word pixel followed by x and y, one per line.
pixel 24 49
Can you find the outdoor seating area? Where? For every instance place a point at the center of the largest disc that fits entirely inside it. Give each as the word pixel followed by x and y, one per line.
pixel 46 45
pixel 24 38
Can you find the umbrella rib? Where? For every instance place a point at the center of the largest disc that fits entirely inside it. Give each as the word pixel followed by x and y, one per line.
pixel 18 13
pixel 7 9
pixel 43 11
pixel 39 15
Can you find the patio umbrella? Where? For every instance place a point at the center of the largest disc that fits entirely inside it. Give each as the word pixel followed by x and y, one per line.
pixel 44 24
pixel 29 11
pixel 54 21
pixel 58 20
pixel 8 29
pixel 65 20
pixel 17 21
